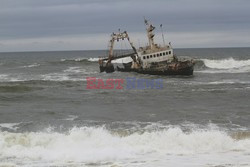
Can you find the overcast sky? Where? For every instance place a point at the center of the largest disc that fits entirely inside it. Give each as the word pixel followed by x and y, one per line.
pixel 40 25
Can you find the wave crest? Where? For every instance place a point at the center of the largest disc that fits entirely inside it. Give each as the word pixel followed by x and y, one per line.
pixel 95 144
pixel 31 65
pixel 229 63
pixel 80 60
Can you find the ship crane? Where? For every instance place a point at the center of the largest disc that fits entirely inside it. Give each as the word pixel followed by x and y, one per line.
pixel 116 37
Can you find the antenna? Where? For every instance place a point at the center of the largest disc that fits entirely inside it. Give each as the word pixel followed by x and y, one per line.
pixel 145 21
pixel 150 28
pixel 162 36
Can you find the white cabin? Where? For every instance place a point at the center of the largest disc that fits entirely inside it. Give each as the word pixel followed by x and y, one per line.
pixel 163 54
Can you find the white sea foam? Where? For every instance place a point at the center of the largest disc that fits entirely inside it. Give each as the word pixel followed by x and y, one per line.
pixel 79 70
pixel 11 126
pixel 223 71
pixel 80 59
pixel 31 65
pixel 75 70
pixel 71 118
pixel 55 77
pixel 226 63
pixel 221 82
pixel 229 65
pixel 9 78
pixel 60 77
pixel 151 148
pixel 3 77
pixel 67 75
pixel 93 59
pixel 228 82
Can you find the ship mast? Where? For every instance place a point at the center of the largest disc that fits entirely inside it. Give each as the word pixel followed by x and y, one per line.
pixel 150 28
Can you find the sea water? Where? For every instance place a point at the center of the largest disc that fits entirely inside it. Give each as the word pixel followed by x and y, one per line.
pixel 48 117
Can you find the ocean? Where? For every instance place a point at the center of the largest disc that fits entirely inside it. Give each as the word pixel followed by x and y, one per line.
pixel 48 117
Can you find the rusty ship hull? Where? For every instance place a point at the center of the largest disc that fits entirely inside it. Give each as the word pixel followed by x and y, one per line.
pixel 177 68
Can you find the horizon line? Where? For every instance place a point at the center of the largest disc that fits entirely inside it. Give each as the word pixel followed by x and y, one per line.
pixel 226 47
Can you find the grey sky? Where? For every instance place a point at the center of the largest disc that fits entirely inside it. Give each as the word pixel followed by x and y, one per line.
pixel 87 24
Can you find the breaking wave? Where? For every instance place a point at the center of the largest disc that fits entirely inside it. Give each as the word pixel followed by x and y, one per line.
pixel 70 118
pixel 3 76
pixel 80 60
pixel 10 78
pixel 31 65
pixel 60 77
pixel 74 73
pixel 11 126
pixel 98 144
pixel 226 63
pixel 225 81
pixel 76 70
pixel 229 65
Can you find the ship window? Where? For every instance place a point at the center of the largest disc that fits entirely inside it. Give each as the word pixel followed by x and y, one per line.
pixel 154 55
pixel 150 56
pixel 144 57
pixel 163 53
pixel 157 55
pixel 147 57
pixel 166 53
pixel 160 54
pixel 169 52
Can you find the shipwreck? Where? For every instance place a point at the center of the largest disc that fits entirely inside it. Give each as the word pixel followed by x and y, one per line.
pixel 152 59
